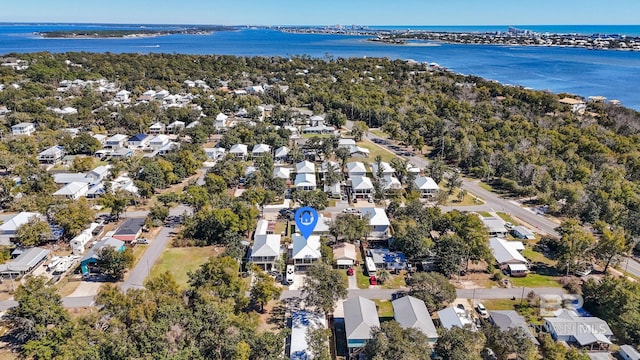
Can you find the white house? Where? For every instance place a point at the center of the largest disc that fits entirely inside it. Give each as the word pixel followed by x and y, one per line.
pixel 391 184
pixel 320 130
pixel 117 141
pixel 507 254
pixel 386 169
pixel 9 228
pixel 577 106
pixel 52 155
pixel 175 126
pixel 411 312
pixel 362 186
pixel 589 333
pixel 281 154
pixel 265 251
pixel 261 150
pixel 305 181
pixel 426 186
pixel 305 252
pixel 282 172
pixel 356 168
pixel 123 96
pixel 78 243
pixel 221 121
pixel 495 226
pixel 23 128
pixel 239 151
pixel 159 141
pixel 378 222
pixel 215 153
pixel 101 138
pixel 72 191
pixel 306 167
pixel 346 143
pixel 157 128
pixel 452 316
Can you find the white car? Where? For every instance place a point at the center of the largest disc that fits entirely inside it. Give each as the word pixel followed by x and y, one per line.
pixel 481 309
pixel 350 211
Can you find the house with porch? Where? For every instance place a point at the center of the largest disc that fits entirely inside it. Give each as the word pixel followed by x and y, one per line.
pixel 117 141
pixel 508 256
pixel 411 312
pixel 25 263
pixel 281 154
pixel 23 128
pixel 379 223
pixel 586 333
pixel 52 155
pixel 261 150
pixel 495 226
pixel 139 141
pixel 360 316
pixel 157 128
pixel 93 255
pixel 215 153
pixel 72 191
pixel 265 251
pixel 305 182
pixel 9 228
pixel 383 168
pixel 426 186
pixel 305 252
pixel 362 187
pixel 159 141
pixel 239 151
pixel 130 230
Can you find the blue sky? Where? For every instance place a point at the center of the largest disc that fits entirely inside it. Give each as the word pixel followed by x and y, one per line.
pixel 326 12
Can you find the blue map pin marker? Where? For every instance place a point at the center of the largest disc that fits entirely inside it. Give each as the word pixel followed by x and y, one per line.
pixel 306 220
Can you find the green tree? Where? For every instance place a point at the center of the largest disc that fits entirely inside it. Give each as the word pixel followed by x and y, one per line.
pixel 263 289
pixel 39 310
pixel 220 277
pixel 117 202
pixel 611 245
pixel 318 339
pixel 390 341
pixel 359 130
pixel 83 163
pixel 432 288
pixel 342 154
pixel 317 199
pixel 436 170
pixel 506 343
pixel 460 344
pixel 575 245
pixel 74 216
pixel 113 262
pixel 323 287
pixel 450 251
pixel 413 242
pixel 33 233
pixel 349 227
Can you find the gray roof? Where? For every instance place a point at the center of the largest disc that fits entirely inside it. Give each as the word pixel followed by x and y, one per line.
pixel 131 226
pixel 411 312
pixel 360 315
pixel 266 245
pixel 108 241
pixel 585 330
pixel 26 261
pixel 301 322
pixel 493 224
pixel 505 251
pixel 425 183
pixel 505 319
pixel 630 351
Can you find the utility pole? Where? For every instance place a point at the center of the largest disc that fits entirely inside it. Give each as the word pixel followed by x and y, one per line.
pixel 522 296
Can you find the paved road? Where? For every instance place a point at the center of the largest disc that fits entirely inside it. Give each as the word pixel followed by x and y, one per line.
pixel 493 293
pixel 139 273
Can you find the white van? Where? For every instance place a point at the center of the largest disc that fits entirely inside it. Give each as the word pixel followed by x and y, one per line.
pixel 289 275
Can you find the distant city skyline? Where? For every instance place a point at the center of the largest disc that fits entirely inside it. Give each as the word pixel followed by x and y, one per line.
pixel 327 12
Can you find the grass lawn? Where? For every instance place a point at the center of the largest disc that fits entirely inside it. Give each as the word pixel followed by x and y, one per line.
pixel 179 261
pixel 506 217
pixel 395 282
pixel 332 202
pixel 530 313
pixel 484 214
pixel 322 136
pixel 361 278
pixel 385 308
pixel 138 251
pixel 281 226
pixel 535 280
pixel 535 256
pixel 374 150
pixel 500 304
pixel 378 132
pixel 468 200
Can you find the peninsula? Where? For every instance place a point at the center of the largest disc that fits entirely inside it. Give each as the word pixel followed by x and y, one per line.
pixel 124 33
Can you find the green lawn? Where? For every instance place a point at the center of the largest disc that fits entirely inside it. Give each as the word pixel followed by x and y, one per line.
pixel 361 278
pixel 535 280
pixel 484 214
pixel 179 261
pixel 374 150
pixel 321 136
pixel 385 308
pixel 506 217
pixel 281 226
pixel 486 186
pixel 529 312
pixel 378 132
pixel 500 304
pixel 535 257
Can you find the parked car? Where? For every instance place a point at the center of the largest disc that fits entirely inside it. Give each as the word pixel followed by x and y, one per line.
pixel 350 272
pixel 350 211
pixel 142 241
pixel 373 280
pixel 481 309
pixel 508 225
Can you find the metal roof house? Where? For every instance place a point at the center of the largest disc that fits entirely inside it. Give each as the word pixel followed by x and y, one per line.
pixel 494 226
pixel 301 323
pixel 25 262
pixel 378 222
pixel 590 333
pixel 362 186
pixel 305 252
pixel 265 251
pixel 384 167
pixel 261 150
pixel 72 191
pixel 452 316
pixel 305 167
pixel 507 252
pixel 506 319
pixel 52 155
pixel 92 256
pixel 239 151
pixel 356 168
pixel 305 181
pixel 411 312
pixel 360 316
pixel 427 186
pixel 9 228
pixel 522 232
